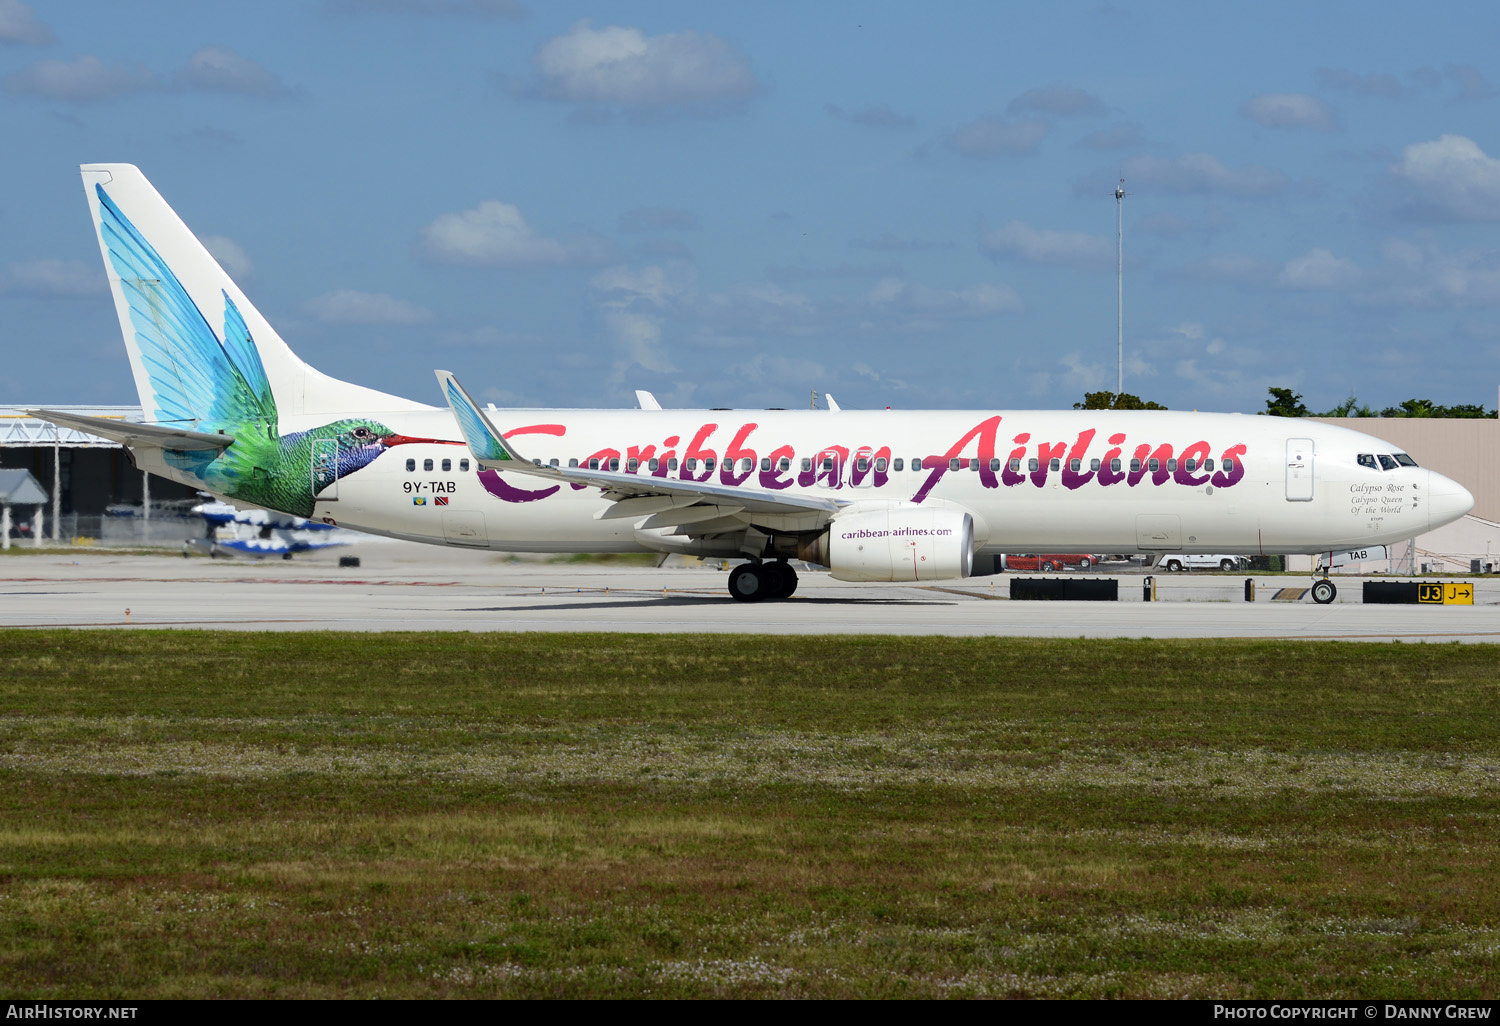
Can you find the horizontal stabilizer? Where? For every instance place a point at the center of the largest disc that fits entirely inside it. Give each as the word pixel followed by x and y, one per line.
pixel 125 432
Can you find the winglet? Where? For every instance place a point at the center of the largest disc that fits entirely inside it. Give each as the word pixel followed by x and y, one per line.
pixel 645 400
pixel 487 444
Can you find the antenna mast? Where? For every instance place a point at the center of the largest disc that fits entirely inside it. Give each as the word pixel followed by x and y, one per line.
pixel 1120 285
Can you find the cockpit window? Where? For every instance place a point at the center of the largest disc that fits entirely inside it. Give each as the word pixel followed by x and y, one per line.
pixel 1366 460
pixel 1405 460
pixel 1387 462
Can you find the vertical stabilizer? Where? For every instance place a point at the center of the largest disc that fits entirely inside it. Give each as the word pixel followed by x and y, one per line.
pixel 200 351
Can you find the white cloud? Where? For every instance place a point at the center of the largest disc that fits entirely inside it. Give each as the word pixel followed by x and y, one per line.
pixel 1020 241
pixel 218 69
pixel 655 219
pixel 1290 110
pixel 1426 277
pixel 346 306
pixel 1229 268
pixel 489 8
pixel 49 278
pixel 1373 84
pixel 19 25
pixel 992 137
pixel 878 115
pixel 1058 101
pixel 1191 173
pixel 84 80
pixel 495 234
pixel 1319 270
pixel 229 254
pixel 621 65
pixel 1448 179
pixel 907 306
pixel 1115 137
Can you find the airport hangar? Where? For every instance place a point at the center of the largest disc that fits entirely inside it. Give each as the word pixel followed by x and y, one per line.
pixel 85 474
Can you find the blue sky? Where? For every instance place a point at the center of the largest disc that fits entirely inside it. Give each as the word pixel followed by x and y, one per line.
pixel 733 205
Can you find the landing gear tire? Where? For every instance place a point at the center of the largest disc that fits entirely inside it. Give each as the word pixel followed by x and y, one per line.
pixel 749 582
pixel 783 579
pixel 1324 591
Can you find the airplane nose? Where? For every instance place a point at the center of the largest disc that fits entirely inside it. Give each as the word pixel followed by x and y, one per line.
pixel 1447 500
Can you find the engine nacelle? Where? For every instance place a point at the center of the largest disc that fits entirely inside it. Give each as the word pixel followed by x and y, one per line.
pixel 902 543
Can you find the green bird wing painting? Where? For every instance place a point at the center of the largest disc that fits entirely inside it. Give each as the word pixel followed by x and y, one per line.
pixel 202 383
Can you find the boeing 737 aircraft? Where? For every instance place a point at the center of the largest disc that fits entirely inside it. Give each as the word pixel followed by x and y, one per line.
pixel 874 496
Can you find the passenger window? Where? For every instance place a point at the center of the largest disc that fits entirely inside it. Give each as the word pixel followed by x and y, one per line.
pixel 1364 459
pixel 1172 466
pixel 653 465
pixel 1075 465
pixel 411 465
pixel 692 463
pixel 827 462
pixel 1114 466
pixel 765 463
pixel 614 464
pixel 550 463
pixel 862 464
pixel 1015 465
pixel 708 463
pixel 747 465
pixel 1135 466
pixel 898 464
pixel 1208 464
pixel 594 463
pixel 994 465
pixel 880 465
pixel 916 464
pixel 974 464
pixel 1056 464
pixel 672 463
pixel 1229 466
pixel 955 463
pixel 426 464
pixel 784 465
pixel 573 463
pixel 633 464
pixel 1190 465
pixel 447 464
pixel 463 465
pixel 1154 465
pixel 1032 465
pixel 1387 462
pixel 536 463
pixel 1094 466
pixel 806 464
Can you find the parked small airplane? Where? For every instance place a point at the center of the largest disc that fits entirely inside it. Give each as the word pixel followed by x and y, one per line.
pixel 258 533
pixel 873 495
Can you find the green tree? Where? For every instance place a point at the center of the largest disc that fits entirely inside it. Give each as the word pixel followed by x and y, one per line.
pixel 1285 403
pixel 1111 401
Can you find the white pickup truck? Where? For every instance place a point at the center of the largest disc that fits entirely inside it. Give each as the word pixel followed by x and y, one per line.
pixel 1226 563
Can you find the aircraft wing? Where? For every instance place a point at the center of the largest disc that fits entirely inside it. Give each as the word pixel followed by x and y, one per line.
pixel 127 433
pixel 492 451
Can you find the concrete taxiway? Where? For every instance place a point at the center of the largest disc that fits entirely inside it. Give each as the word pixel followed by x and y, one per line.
pixel 410 587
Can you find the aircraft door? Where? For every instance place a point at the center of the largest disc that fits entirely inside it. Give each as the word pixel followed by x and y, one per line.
pixel 325 461
pixel 1299 470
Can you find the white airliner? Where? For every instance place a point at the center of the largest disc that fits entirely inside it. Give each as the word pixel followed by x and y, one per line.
pixel 874 496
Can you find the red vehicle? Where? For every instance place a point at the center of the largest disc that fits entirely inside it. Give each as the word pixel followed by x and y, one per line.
pixel 1050 561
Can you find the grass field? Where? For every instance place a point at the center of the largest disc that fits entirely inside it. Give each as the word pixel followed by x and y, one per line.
pixel 199 814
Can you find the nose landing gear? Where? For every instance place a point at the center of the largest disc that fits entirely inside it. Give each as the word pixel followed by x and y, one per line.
pixel 1324 591
pixel 753 582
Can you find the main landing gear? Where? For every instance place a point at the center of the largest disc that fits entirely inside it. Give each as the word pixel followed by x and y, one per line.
pixel 752 582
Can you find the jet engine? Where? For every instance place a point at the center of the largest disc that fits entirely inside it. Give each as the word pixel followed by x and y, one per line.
pixel 900 543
